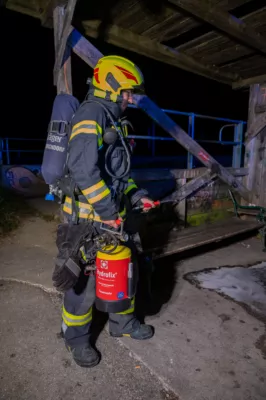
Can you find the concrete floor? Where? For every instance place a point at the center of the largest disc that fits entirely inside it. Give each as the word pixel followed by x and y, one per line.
pixel 205 347
pixel 36 366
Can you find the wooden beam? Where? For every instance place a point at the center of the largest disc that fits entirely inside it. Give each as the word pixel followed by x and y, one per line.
pixel 196 172
pixel 162 174
pixel 46 16
pixel 63 80
pixel 249 81
pixel 23 9
pixel 257 125
pixel 227 23
pixel 68 15
pixel 191 187
pixel 83 48
pixel 150 48
pixel 190 145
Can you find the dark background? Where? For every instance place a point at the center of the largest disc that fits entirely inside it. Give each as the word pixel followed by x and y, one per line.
pixel 27 59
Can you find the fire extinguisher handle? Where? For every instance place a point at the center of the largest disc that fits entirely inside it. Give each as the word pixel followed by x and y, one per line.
pixel 116 231
pixel 148 205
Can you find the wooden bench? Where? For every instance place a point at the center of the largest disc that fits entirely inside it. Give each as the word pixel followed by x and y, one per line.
pixel 251 213
pixel 161 243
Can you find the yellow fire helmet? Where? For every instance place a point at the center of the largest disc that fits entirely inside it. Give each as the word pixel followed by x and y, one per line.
pixel 113 74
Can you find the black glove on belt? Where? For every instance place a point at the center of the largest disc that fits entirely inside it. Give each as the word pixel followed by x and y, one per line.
pixel 69 240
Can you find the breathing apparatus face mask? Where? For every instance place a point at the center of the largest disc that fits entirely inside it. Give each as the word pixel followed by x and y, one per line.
pixel 110 136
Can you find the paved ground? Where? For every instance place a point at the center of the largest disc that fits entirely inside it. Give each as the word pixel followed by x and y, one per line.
pixel 205 348
pixel 35 365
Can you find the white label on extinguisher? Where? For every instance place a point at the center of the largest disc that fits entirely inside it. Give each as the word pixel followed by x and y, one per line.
pixel 106 274
pixel 104 264
pixel 101 291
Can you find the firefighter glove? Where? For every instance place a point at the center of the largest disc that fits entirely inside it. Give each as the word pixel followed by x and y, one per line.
pixel 66 275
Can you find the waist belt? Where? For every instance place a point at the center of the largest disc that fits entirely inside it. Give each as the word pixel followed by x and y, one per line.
pixel 85 210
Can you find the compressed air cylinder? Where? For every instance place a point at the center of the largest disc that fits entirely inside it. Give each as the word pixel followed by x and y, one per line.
pixel 114 280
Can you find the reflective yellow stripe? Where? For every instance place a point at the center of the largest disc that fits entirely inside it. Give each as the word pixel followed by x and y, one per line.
pixel 74 323
pixel 68 202
pixel 91 214
pixel 83 130
pixel 89 127
pixel 99 196
pixel 130 310
pixel 95 218
pixel 67 209
pixel 123 213
pixel 76 320
pixel 93 188
pixel 83 215
pixel 77 317
pixel 82 250
pixel 84 205
pixel 96 192
pixel 125 130
pixel 84 122
pixel 130 187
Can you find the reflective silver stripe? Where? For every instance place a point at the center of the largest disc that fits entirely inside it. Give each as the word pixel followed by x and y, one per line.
pixel 84 126
pixel 84 211
pixel 54 147
pixel 97 192
pixel 76 320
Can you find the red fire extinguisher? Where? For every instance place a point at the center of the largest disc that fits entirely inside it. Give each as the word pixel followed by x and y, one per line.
pixel 114 280
pixel 115 276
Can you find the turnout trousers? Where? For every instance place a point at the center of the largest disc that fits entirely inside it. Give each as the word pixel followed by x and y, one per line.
pixel 78 304
pixel 78 312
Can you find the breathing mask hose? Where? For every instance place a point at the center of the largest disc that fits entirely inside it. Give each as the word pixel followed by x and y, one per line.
pixel 110 148
pixel 108 154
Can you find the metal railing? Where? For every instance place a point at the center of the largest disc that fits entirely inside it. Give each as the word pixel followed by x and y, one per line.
pixel 236 142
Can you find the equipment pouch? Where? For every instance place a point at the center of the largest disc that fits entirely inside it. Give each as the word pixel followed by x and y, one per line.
pixel 67 265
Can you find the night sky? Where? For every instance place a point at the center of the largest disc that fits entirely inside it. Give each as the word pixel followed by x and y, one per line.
pixel 27 55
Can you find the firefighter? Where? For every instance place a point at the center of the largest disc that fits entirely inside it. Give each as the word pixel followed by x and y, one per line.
pixel 104 184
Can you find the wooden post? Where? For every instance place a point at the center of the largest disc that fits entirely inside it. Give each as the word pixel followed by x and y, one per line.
pixel 63 78
pixel 181 207
pixel 255 154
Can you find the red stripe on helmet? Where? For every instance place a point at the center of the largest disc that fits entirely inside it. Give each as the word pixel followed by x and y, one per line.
pixel 128 74
pixel 96 75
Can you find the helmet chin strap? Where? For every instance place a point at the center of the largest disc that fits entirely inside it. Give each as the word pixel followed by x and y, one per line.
pixel 106 95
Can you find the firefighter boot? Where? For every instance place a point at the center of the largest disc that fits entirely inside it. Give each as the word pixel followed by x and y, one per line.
pixel 84 355
pixel 128 325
